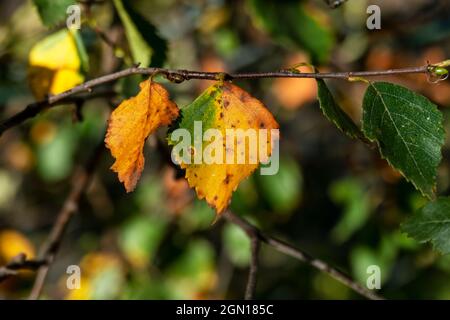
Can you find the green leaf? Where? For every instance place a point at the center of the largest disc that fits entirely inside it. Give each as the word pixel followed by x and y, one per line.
pixel 147 47
pixel 140 238
pixel 55 158
pixel 355 199
pixel 293 24
pixel 408 130
pixel 282 191
pixel 237 245
pixel 334 113
pixel 52 12
pixel 431 223
pixel 82 53
pixel 203 108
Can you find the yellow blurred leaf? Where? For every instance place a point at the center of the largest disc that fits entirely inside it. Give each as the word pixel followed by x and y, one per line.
pixel 84 292
pixel 13 243
pixel 54 65
pixel 131 123
pixel 92 266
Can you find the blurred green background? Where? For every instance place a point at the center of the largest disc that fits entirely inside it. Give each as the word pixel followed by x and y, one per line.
pixel 333 197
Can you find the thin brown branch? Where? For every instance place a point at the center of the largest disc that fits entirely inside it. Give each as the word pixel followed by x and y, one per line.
pixel 18 263
pixel 178 76
pixel 35 108
pixel 333 4
pixel 298 254
pixel 253 270
pixel 49 249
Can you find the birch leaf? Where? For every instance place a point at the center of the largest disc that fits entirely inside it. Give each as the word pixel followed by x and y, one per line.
pixel 131 123
pixel 334 113
pixel 53 12
pixel 431 224
pixel 408 130
pixel 224 106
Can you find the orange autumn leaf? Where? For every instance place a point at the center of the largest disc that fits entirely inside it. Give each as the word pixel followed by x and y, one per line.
pixel 295 93
pixel 131 123
pixel 221 107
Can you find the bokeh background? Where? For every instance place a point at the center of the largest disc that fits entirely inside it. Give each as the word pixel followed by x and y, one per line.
pixel 333 197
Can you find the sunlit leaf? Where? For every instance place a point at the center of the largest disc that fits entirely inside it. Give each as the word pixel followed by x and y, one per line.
pixel 13 243
pixel 223 106
pixel 131 123
pixel 54 65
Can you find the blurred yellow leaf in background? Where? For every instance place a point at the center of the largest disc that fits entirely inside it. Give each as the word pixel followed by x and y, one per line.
pixel 54 65
pixel 13 243
pixel 101 277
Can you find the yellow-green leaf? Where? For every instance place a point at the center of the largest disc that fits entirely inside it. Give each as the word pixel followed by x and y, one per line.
pixel 223 106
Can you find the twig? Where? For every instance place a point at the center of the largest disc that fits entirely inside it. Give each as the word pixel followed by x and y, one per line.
pixel 35 108
pixel 70 207
pixel 289 250
pixel 20 262
pixel 253 270
pixel 333 4
pixel 178 76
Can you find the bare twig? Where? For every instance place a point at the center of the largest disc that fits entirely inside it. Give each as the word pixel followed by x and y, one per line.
pixel 20 262
pixel 333 4
pixel 178 76
pixel 253 270
pixel 35 108
pixel 289 250
pixel 70 207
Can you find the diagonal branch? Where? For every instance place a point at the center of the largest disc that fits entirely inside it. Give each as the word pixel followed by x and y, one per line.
pixel 253 272
pixel 178 76
pixel 254 232
pixel 49 249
